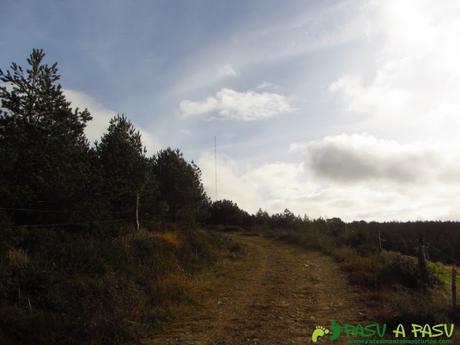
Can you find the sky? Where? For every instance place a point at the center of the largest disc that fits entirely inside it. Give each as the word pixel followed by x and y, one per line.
pixel 328 108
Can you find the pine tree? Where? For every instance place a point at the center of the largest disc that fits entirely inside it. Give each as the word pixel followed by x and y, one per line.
pixel 180 185
pixel 43 149
pixel 124 167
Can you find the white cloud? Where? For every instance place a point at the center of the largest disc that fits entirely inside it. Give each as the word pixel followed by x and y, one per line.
pixel 289 34
pixel 416 80
pixel 272 186
pixel 267 86
pixel 101 117
pixel 350 176
pixel 227 71
pixel 410 93
pixel 375 179
pixel 246 106
pixel 378 99
pixel 360 157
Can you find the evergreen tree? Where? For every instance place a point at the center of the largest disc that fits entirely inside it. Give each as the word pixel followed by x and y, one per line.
pixel 179 185
pixel 228 213
pixel 124 167
pixel 43 149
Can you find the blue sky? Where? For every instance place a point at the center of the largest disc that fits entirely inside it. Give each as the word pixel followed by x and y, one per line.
pixel 329 108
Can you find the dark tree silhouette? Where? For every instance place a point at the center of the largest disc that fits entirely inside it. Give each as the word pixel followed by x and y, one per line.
pixel 180 185
pixel 43 149
pixel 124 167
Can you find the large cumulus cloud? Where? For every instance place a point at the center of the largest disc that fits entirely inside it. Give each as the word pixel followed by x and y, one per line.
pixel 361 157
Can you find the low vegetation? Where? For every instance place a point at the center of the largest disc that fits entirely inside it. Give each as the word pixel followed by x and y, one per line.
pixel 393 283
pixel 67 287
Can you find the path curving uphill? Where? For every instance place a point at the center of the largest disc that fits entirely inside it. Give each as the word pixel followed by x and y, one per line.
pixel 277 296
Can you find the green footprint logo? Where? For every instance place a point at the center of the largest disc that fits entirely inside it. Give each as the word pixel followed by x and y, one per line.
pixel 319 332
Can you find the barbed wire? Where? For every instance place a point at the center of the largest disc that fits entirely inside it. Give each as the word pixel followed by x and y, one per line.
pixel 108 221
pixel 445 255
pixel 35 210
pixel 427 245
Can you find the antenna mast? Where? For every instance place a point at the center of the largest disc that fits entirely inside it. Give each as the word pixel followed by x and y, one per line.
pixel 215 164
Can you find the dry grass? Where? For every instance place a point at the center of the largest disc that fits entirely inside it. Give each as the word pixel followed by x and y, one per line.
pixel 17 259
pixel 102 290
pixel 171 239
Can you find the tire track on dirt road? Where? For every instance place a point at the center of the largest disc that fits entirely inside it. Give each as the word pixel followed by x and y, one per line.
pixel 278 297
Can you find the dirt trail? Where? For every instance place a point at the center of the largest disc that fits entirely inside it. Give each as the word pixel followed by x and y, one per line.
pixel 279 296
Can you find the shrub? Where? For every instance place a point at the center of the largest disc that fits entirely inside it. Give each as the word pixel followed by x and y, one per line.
pixel 171 239
pixel 61 287
pixel 383 270
pixel 16 259
pixel 403 306
pixel 361 270
pixel 404 270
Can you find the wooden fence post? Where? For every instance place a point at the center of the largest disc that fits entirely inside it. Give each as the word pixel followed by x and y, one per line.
pixel 422 259
pixel 454 289
pixel 421 253
pixel 137 211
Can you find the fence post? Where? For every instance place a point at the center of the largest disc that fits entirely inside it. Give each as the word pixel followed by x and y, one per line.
pixel 137 211
pixel 421 252
pixel 454 289
pixel 422 258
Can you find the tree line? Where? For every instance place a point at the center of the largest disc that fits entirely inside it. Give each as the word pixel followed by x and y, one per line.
pixel 51 174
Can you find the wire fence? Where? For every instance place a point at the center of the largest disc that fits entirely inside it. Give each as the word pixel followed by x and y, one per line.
pixel 35 210
pixel 421 249
pixel 56 225
pixel 63 224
